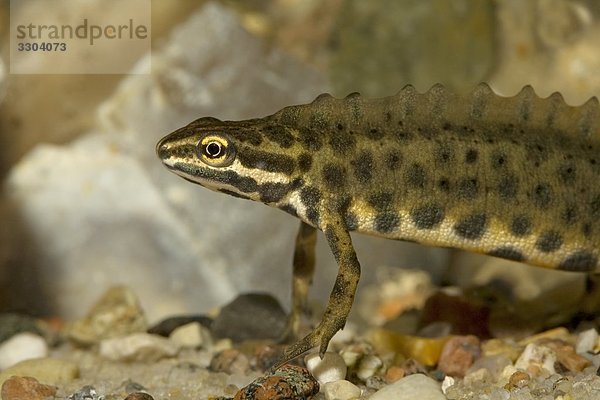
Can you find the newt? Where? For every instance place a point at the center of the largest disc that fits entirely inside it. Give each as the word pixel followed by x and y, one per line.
pixel 512 177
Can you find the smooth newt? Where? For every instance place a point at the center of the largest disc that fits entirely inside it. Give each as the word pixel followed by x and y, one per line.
pixel 513 177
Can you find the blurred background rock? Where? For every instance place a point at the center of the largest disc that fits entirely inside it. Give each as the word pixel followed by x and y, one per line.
pixel 87 205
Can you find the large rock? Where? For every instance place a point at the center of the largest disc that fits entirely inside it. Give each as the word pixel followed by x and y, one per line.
pixel 104 210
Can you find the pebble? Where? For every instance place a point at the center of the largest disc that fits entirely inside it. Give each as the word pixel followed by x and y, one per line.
pixel 458 355
pixel 340 390
pixel 586 341
pixel 250 316
pixel 168 325
pixel 137 347
pixel 139 396
pixel 447 383
pixel 87 392
pixel 50 371
pixel 566 355
pixel 22 346
pixel 117 313
pixel 494 347
pixel 554 333
pixel 192 335
pixel 517 380
pixel 424 350
pixel 12 324
pixel 289 382
pixel 230 361
pixel 394 373
pixel 457 310
pixel 265 356
pixel 329 369
pixel 368 366
pixel 536 357
pixel 494 364
pixel 375 382
pixel 354 352
pixel 412 387
pixel 25 388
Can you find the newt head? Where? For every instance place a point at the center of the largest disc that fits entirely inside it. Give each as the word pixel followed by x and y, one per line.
pixel 251 159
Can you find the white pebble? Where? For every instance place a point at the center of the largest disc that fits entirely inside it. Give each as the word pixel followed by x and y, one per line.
pixel 412 387
pixel 538 355
pixel 20 347
pixel 586 341
pixel 340 390
pixel 447 382
pixel 191 335
pixel 368 366
pixel 137 347
pixel 331 368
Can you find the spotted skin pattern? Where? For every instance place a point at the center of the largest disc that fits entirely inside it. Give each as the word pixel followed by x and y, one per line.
pixel 516 177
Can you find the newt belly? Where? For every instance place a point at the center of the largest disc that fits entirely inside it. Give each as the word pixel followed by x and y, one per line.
pixel 517 177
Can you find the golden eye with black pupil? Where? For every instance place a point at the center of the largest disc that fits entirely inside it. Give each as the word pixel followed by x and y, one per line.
pixel 216 150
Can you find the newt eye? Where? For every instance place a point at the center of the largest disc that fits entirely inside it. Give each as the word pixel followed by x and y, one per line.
pixel 213 150
pixel 216 150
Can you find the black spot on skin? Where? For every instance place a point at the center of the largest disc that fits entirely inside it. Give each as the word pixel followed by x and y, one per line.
pixel 374 133
pixel 350 218
pixel 310 197
pixel 499 160
pixel 586 229
pixel 251 136
pixel 304 162
pixel 427 216
pixel 402 136
pixel 569 214
pixel 444 184
pixel 567 174
pixel 273 192
pixel 507 252
pixel 280 135
pixel 342 144
pixel 416 176
pixel 381 201
pixel 363 166
pixel 549 241
pixel 468 189
pixel 340 126
pixel 386 222
pixel 351 221
pixel 472 226
pixel 508 187
pixel 310 139
pixel 234 194
pixel 595 207
pixel 521 226
pixel 443 154
pixel 290 209
pixel 266 161
pixel 245 184
pixel 393 159
pixel 334 176
pixel 580 261
pixel 542 195
pixel 471 156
